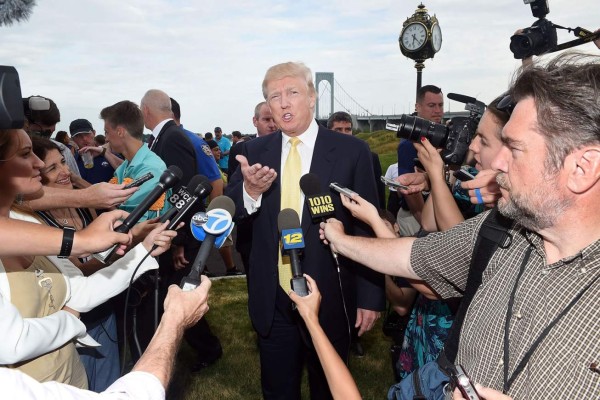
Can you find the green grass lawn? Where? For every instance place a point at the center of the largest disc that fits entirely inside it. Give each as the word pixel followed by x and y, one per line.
pixel 237 374
pixel 385 144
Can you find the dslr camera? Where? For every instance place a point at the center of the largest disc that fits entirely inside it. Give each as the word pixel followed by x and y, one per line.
pixel 539 38
pixel 454 138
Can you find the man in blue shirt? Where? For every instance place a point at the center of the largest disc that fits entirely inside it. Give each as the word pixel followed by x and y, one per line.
pixel 225 146
pixel 429 106
pixel 205 161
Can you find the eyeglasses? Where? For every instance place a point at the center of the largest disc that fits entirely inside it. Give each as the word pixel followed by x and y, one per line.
pixel 506 104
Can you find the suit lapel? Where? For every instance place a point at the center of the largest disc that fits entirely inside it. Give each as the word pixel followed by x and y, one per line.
pixel 160 138
pixel 271 157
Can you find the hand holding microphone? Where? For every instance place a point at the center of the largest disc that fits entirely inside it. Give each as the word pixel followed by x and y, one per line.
pixel 168 179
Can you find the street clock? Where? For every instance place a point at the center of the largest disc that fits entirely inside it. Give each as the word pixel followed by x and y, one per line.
pixel 421 36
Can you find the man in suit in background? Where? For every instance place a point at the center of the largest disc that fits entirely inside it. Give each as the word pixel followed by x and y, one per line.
pixel 174 147
pixel 267 182
pixel 263 121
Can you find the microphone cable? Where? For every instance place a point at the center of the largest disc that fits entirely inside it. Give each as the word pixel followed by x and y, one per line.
pixel 134 332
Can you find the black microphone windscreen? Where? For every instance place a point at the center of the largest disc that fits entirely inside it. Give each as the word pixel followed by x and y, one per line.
pixel 223 202
pixel 461 97
pixel 175 170
pixel 194 182
pixel 170 177
pixel 204 188
pixel 288 219
pixel 310 184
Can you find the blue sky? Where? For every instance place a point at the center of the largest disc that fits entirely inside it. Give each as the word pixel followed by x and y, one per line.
pixel 212 55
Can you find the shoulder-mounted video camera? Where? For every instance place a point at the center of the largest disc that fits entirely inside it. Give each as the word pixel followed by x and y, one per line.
pixel 454 138
pixel 11 103
pixel 540 38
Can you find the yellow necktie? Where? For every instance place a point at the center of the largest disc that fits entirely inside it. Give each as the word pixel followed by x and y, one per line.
pixel 290 198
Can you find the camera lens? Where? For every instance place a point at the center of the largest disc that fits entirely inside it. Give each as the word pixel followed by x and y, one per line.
pixel 413 128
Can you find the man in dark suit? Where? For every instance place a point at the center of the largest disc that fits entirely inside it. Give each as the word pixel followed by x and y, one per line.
pixel 261 188
pixel 263 121
pixel 175 148
pixel 341 122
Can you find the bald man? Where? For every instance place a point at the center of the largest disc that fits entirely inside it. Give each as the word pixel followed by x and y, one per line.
pixel 175 148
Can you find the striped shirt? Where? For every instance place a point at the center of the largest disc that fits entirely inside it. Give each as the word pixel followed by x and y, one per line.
pixel 561 366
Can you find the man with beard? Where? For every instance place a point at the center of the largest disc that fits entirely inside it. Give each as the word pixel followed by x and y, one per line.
pixel 536 311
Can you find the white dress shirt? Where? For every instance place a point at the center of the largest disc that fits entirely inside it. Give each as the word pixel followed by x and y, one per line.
pixel 156 131
pixel 133 386
pixel 305 148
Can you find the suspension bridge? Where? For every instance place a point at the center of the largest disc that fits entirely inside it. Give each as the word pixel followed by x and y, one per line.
pixel 332 97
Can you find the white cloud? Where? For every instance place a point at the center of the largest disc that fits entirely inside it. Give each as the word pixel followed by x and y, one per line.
pixel 212 55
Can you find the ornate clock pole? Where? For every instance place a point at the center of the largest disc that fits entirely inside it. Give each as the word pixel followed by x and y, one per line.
pixel 420 39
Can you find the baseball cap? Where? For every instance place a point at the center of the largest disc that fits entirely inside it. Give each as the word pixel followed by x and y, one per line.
pixel 212 143
pixel 80 126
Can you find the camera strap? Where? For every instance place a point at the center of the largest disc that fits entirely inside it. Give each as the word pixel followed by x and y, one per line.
pixel 508 381
pixel 492 235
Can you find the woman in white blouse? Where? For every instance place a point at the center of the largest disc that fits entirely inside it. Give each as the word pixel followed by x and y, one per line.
pixel 41 297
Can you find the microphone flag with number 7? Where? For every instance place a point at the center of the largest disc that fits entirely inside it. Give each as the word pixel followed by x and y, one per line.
pixel 212 228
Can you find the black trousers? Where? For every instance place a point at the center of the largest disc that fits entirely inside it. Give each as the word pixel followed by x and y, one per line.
pixel 285 351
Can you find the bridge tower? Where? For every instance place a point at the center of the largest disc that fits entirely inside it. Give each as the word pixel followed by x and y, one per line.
pixel 328 77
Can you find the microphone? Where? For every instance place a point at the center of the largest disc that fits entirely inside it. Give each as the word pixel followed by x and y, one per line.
pixel 320 205
pixel 212 228
pixel 168 179
pixel 292 239
pixel 461 98
pixel 200 188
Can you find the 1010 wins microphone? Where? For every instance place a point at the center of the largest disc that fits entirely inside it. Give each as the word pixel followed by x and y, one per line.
pixel 292 240
pixel 212 228
pixel 320 205
pixel 168 179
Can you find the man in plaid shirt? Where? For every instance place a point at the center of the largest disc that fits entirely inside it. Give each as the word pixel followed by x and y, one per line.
pixel 532 330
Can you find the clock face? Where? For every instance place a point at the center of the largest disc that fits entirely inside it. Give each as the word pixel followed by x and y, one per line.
pixel 436 37
pixel 414 36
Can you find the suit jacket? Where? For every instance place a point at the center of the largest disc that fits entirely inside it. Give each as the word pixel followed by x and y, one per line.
pixel 380 186
pixel 174 148
pixel 336 158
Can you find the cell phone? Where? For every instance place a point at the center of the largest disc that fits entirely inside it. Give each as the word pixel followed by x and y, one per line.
pixel 462 381
pixel 463 175
pixel 393 184
pixel 340 189
pixel 140 180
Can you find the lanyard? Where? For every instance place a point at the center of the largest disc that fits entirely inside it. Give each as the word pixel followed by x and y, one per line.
pixel 508 381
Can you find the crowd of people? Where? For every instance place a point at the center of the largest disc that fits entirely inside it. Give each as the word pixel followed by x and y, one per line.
pixel 514 318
